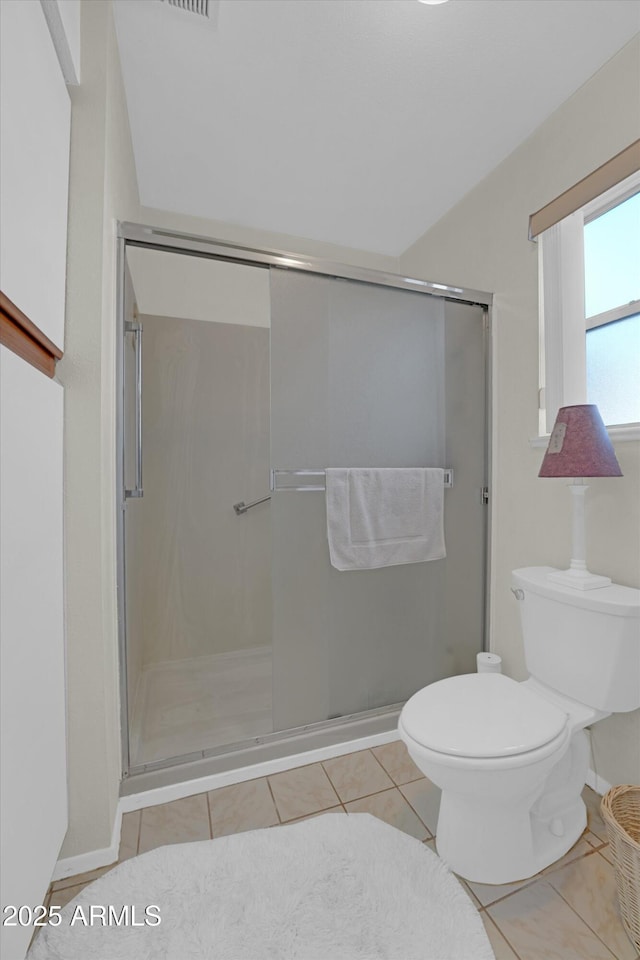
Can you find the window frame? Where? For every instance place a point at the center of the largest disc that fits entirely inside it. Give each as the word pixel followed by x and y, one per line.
pixel 562 317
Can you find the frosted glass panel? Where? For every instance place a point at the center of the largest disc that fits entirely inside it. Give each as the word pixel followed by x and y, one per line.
pixel 386 377
pixel 612 258
pixel 613 362
pixel 358 379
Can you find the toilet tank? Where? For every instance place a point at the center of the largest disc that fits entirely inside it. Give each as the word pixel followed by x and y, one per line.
pixel 584 643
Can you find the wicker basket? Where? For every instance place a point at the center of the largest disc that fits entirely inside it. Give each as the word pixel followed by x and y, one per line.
pixel 621 813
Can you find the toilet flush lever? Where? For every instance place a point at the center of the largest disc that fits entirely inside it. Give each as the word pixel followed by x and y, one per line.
pixel 518 594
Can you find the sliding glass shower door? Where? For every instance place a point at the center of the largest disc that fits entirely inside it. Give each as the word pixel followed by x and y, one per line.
pixel 236 631
pixel 371 376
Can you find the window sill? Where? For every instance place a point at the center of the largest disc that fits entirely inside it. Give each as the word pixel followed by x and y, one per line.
pixel 627 431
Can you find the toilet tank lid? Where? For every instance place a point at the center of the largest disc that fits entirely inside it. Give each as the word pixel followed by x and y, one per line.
pixel 481 715
pixel 615 600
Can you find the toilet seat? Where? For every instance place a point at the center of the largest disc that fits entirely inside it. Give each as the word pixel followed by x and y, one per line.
pixel 482 716
pixel 512 762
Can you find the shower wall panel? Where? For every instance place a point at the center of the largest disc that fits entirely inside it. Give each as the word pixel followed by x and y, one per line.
pixel 204 584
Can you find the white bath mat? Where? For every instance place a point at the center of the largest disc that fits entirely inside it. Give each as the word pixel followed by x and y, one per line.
pixel 337 887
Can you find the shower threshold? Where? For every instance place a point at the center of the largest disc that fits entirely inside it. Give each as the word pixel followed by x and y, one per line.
pixel 261 749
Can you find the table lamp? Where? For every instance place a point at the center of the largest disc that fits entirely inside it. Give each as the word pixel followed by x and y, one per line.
pixel 579 446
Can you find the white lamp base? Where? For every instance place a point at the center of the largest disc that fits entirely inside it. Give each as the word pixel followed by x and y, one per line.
pixel 577 576
pixel 579 579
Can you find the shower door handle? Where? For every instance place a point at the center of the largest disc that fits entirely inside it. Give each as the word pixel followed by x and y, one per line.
pixel 135 328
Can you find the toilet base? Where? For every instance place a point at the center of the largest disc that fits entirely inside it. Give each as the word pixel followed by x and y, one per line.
pixel 501 846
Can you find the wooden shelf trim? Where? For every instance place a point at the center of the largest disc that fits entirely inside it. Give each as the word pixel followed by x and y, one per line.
pixel 19 334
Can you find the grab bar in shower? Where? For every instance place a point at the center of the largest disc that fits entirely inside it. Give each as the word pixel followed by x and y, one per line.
pixel 316 479
pixel 242 507
pixel 135 327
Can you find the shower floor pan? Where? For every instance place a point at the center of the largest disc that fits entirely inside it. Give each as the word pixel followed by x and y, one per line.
pixel 185 706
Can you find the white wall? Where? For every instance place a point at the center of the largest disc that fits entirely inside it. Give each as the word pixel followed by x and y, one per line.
pixel 102 187
pixel 33 782
pixel 193 288
pixel 34 160
pixel 482 243
pixel 34 163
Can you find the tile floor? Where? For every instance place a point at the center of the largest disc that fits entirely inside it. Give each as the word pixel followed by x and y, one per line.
pixel 567 912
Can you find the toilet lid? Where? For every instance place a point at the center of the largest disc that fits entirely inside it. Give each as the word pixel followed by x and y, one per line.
pixel 481 715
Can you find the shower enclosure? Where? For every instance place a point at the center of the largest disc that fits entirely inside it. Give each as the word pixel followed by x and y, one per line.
pixel 238 640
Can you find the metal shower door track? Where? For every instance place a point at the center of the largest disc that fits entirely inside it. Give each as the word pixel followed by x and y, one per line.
pixel 155 238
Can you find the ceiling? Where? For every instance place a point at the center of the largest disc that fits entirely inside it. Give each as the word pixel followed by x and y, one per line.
pixel 358 122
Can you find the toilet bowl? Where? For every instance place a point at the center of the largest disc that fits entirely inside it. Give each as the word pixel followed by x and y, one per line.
pixel 490 744
pixel 511 757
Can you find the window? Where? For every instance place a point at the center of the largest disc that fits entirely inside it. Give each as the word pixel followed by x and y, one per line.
pixel 613 370
pixel 590 308
pixel 612 308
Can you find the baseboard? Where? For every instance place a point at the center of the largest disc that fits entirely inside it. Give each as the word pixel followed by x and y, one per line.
pixel 83 862
pixel 71 866
pixel 177 791
pixel 597 783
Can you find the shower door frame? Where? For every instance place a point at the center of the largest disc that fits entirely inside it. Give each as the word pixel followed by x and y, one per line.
pixel 267 746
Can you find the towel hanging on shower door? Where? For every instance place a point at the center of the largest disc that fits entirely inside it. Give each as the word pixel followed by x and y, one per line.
pixel 381 517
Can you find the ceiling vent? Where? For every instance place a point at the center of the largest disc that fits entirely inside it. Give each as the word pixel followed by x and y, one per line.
pixel 191 6
pixel 206 9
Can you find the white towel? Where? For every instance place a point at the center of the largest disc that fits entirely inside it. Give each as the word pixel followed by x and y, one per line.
pixel 383 517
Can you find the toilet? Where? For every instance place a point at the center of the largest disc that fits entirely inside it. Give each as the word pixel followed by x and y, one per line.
pixel 511 757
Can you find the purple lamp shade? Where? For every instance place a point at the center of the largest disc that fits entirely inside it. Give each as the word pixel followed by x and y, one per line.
pixel 579 445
